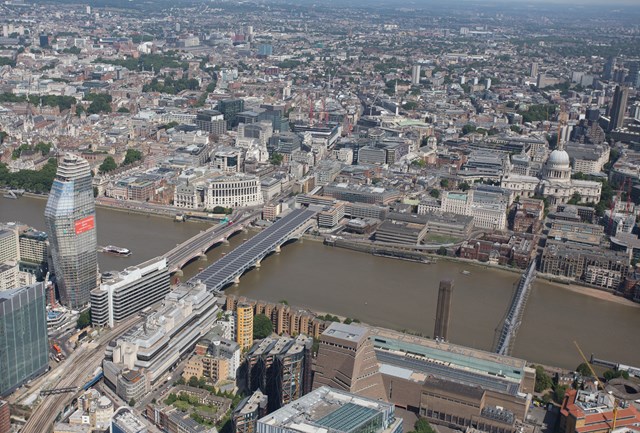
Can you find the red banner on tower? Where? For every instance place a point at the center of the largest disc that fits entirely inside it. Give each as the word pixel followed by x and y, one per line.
pixel 84 225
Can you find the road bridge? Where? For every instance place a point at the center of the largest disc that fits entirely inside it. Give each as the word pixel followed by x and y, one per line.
pixel 229 268
pixel 198 245
pixel 516 310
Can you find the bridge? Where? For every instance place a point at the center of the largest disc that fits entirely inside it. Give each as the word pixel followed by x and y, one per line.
pixel 198 245
pixel 229 268
pixel 55 391
pixel 516 310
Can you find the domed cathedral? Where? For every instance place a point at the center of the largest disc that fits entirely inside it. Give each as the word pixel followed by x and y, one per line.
pixel 557 185
pixel 555 182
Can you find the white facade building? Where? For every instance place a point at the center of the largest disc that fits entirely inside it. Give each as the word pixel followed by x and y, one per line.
pixel 556 184
pixel 236 190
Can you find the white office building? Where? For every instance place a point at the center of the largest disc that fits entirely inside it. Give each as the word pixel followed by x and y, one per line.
pixel 122 294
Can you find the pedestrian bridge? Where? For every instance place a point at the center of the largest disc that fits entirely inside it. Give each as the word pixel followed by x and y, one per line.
pixel 229 268
pixel 516 310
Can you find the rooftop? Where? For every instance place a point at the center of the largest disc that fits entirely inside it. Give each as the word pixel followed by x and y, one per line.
pixel 345 332
pixel 328 410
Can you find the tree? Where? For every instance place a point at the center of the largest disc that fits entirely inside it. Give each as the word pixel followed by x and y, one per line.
pixel 132 156
pixel 576 198
pixel 558 393
pixel 109 164
pixel 444 183
pixel 543 380
pixel 442 251
pixel 434 193
pixel 132 402
pixel 43 148
pixel 464 186
pixel 262 326
pixel 276 158
pixel 422 426
pixel 100 103
pixel 171 399
pixel 614 374
pixel 583 370
pixel 193 381
pixel 84 319
pixel 468 128
pixel 123 110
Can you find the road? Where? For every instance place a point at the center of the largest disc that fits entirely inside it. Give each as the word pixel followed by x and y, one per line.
pixel 76 371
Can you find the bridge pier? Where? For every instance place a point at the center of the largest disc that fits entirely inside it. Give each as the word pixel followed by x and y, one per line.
pixel 244 230
pixel 202 257
pixel 236 280
pixel 225 241
pixel 257 265
pixel 277 250
pixel 179 273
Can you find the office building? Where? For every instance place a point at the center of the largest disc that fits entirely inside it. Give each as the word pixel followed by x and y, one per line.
pixel 415 74
pixel 122 294
pixel 5 417
pixel 230 109
pixel 265 50
pixel 24 348
pixel 609 68
pixel 618 107
pixel 332 410
pixel 361 193
pixel 443 311
pixel 280 368
pixel 70 218
pixel 124 421
pixel 44 40
pixel 139 358
pixel 244 326
pixel 34 252
pixel 585 411
pixel 9 249
pixel 93 410
pixel 346 361
pixel 245 416
pixel 233 190
pixel 533 70
pixel 211 121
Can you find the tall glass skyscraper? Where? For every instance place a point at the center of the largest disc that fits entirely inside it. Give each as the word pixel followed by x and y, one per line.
pixel 70 216
pixel 24 348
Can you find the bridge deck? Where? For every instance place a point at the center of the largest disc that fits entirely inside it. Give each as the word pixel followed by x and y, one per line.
pixel 226 269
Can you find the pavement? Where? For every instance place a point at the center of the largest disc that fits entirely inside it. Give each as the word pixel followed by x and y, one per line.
pixel 541 420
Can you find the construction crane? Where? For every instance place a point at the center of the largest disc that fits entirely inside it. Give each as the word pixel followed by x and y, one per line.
pixel 600 385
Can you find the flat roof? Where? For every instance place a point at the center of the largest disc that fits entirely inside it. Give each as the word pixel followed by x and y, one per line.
pixel 347 417
pixel 345 332
pixel 457 356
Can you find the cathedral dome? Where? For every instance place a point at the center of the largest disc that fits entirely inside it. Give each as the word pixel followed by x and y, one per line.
pixel 559 159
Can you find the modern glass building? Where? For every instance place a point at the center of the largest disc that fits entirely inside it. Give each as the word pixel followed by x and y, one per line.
pixel 70 216
pixel 24 348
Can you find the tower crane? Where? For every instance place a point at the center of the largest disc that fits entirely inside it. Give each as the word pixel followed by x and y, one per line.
pixel 600 385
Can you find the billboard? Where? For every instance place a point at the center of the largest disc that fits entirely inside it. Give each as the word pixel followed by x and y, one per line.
pixel 84 224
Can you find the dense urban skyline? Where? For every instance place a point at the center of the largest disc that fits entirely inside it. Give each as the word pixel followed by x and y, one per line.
pixel 159 159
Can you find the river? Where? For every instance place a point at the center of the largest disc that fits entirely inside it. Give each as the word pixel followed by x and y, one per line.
pixel 386 292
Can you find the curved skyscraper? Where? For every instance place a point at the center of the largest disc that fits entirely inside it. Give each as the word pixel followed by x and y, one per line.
pixel 70 217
